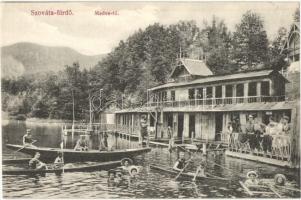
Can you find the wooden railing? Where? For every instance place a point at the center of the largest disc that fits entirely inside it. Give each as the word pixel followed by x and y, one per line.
pixel 280 148
pixel 216 101
pixel 85 128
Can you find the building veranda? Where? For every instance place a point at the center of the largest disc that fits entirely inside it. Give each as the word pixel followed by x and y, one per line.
pixel 200 107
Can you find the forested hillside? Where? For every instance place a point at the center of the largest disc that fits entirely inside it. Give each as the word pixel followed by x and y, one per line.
pixel 29 58
pixel 141 61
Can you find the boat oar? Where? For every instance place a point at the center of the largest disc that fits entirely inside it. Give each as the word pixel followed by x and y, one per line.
pixel 241 175
pixel 62 147
pixel 24 147
pixel 287 188
pixel 275 192
pixel 183 169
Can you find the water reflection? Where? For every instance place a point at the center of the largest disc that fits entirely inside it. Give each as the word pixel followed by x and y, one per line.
pixel 149 184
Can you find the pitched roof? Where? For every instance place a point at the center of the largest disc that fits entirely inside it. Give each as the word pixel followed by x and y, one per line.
pixel 218 78
pixel 194 67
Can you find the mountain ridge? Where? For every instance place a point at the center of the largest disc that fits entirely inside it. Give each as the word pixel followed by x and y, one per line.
pixel 29 58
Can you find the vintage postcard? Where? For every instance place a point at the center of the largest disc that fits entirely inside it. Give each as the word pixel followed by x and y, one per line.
pixel 150 100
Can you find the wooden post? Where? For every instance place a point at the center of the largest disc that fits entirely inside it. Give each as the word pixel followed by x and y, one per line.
pixel 246 92
pixel 258 91
pixel 204 148
pixel 295 138
pixel 156 124
pixel 223 93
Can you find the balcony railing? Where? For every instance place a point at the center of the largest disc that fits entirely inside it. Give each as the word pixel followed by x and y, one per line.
pixel 216 101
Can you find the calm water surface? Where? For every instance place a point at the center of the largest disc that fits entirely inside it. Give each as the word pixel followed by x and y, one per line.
pixel 150 183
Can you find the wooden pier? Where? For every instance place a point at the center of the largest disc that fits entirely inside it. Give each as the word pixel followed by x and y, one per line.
pixel 256 158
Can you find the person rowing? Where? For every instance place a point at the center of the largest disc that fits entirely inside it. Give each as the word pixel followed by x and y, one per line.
pixel 35 163
pixel 81 144
pixel 180 163
pixel 27 139
pixel 59 162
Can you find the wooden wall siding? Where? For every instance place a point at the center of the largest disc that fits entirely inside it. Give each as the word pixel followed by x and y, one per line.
pixel 243 121
pixel 186 125
pixel 207 124
pixel 175 125
pixel 198 130
pixel 226 119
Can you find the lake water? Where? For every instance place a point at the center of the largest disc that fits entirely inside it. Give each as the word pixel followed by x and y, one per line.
pixel 149 184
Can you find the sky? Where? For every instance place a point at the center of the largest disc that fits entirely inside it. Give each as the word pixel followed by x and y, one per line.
pixel 92 34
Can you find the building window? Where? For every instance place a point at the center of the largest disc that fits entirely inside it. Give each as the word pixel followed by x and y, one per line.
pixel 218 91
pixel 229 91
pixel 200 93
pixel 191 93
pixel 209 92
pixel 252 89
pixel 172 95
pixel 265 88
pixel 240 90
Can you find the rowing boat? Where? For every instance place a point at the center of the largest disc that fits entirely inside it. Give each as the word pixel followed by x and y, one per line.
pixel 187 175
pixel 48 155
pixel 259 190
pixel 16 161
pixel 83 167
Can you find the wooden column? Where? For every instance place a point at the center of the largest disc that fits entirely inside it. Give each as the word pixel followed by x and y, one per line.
pixel 223 93
pixel 272 92
pixel 186 125
pixel 246 91
pixel 175 125
pixel 295 137
pixel 234 94
pixel 213 95
pixel 133 118
pixel 258 91
pixel 197 126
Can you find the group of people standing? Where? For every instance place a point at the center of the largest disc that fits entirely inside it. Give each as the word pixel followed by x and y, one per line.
pixel 270 138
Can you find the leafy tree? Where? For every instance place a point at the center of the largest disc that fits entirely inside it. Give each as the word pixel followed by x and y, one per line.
pixel 250 43
pixel 217 46
pixel 276 55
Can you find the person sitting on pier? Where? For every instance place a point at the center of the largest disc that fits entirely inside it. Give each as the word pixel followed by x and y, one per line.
pixel 35 163
pixel 27 139
pixel 81 144
pixel 252 179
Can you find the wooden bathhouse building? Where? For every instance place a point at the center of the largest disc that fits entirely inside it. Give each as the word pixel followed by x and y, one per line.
pixel 197 104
